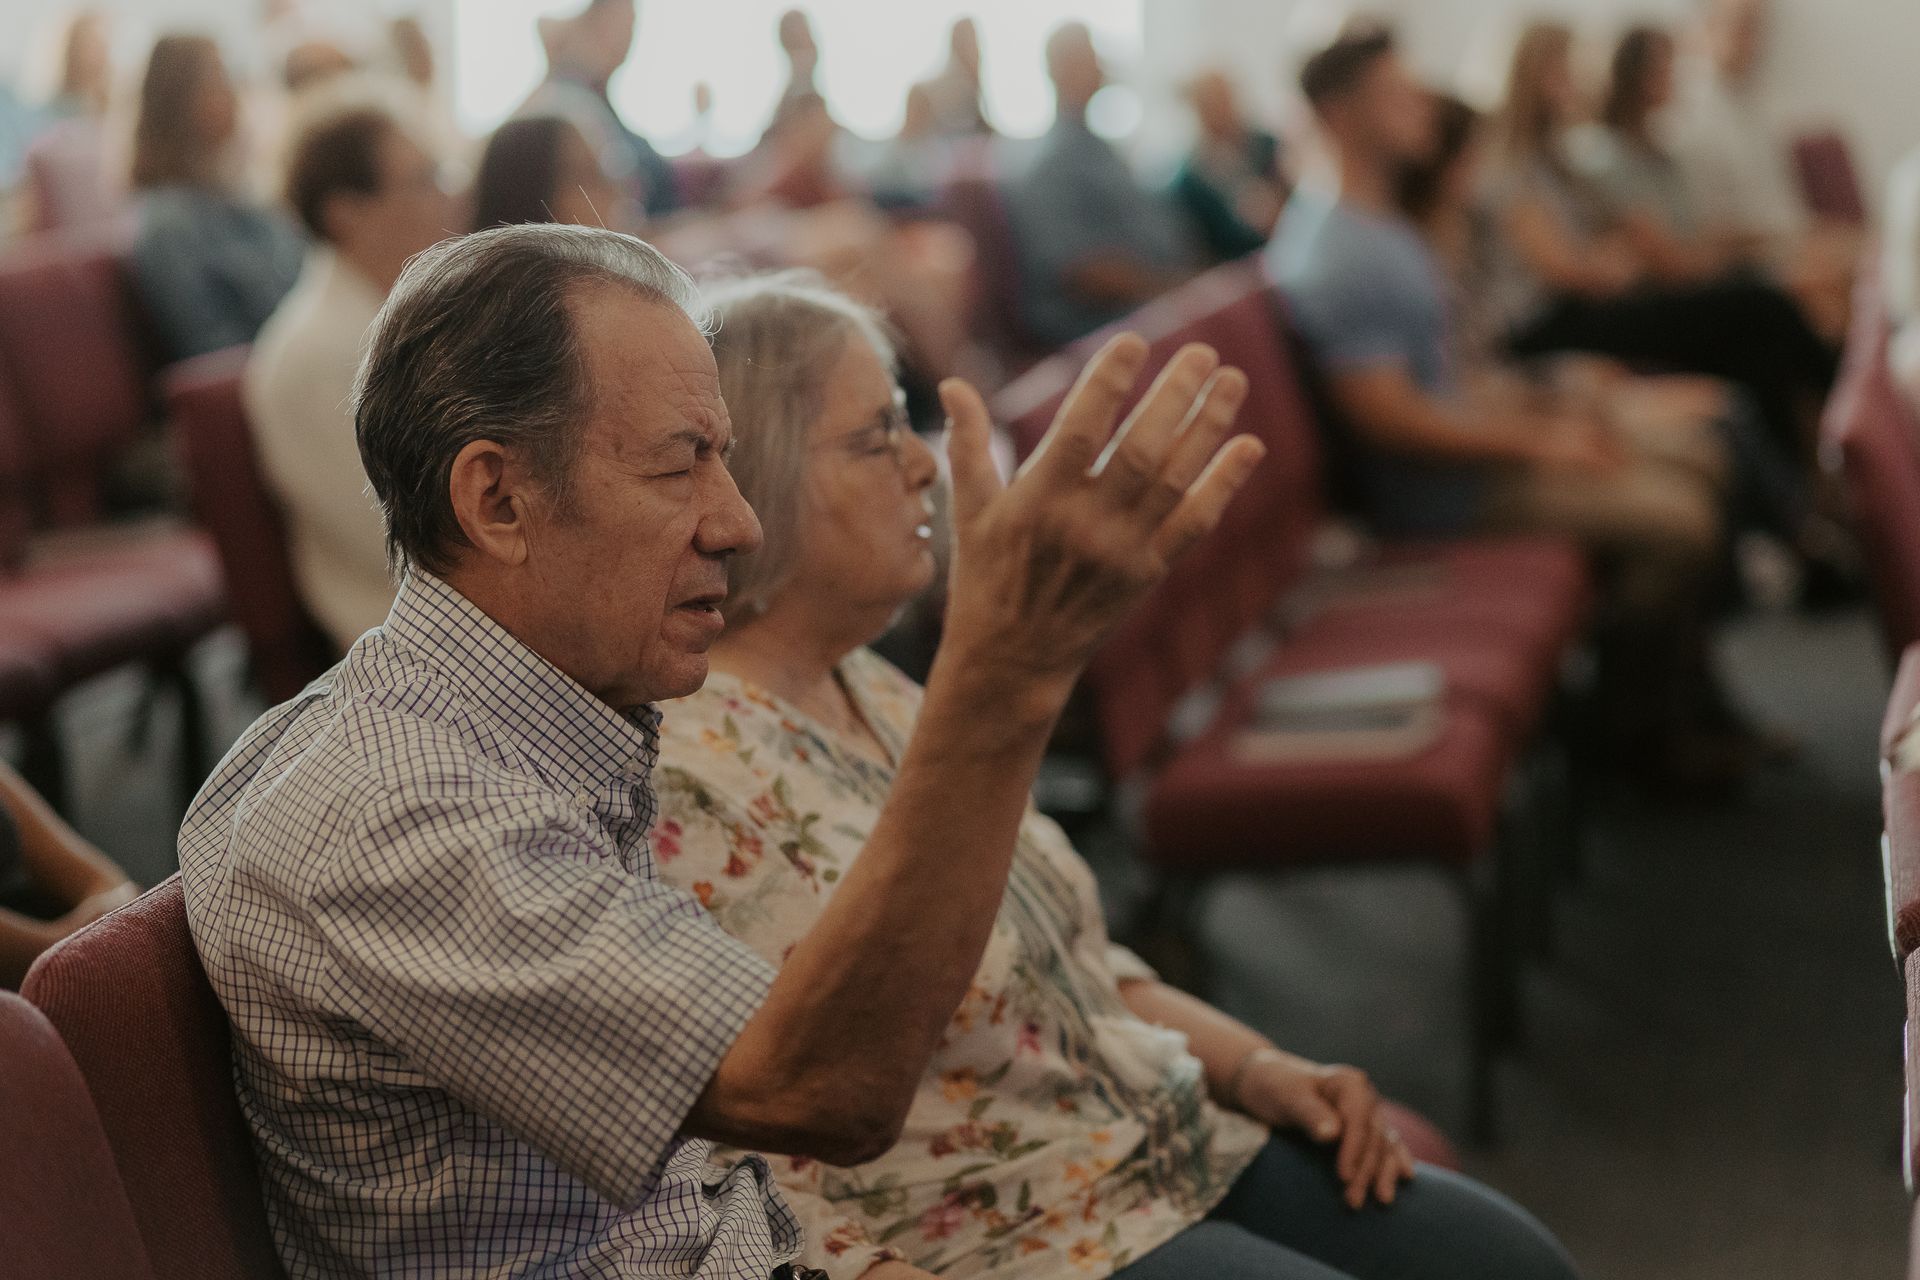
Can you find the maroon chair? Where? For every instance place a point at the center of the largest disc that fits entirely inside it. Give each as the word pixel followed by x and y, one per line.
pixel 74 399
pixel 63 1211
pixel 130 999
pixel 1911 972
pixel 1829 179
pixel 231 501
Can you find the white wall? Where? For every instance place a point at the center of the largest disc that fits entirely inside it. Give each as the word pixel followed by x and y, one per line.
pixel 1855 63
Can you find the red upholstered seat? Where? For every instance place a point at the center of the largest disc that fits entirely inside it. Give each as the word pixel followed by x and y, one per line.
pixel 129 998
pixel 231 499
pixel 63 1212
pixel 1208 810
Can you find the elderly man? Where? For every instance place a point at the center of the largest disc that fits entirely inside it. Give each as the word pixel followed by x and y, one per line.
pixel 474 1034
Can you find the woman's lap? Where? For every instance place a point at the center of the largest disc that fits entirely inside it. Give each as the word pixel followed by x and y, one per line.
pixel 1285 1219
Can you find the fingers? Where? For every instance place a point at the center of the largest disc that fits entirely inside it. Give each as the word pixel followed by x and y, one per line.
pixel 1084 424
pixel 1316 1116
pixel 1206 500
pixel 1396 1167
pixel 1207 427
pixel 1353 1097
pixel 969 449
pixel 1133 461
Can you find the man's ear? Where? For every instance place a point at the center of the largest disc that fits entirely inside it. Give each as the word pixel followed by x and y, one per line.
pixel 489 495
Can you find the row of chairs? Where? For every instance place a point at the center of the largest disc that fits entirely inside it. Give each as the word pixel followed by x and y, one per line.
pixel 1175 689
pixel 81 595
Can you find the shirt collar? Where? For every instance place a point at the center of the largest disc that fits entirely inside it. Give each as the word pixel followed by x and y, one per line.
pixel 577 741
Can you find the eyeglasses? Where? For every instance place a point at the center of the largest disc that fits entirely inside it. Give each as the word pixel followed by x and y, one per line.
pixel 885 436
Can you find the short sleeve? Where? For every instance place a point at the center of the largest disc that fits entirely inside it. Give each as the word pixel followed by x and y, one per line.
pixel 502 949
pixel 1128 967
pixel 1358 316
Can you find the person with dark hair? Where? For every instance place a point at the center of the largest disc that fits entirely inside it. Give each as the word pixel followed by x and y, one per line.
pixel 1440 456
pixel 1569 275
pixel 210 265
pixel 583 53
pixel 1093 244
pixel 1230 184
pixel 546 168
pixel 370 193
pixel 475 1031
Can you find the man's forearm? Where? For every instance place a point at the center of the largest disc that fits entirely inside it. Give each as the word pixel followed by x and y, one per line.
pixel 853 1018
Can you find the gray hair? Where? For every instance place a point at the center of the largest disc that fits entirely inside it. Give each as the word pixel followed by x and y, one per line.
pixel 478 341
pixel 778 339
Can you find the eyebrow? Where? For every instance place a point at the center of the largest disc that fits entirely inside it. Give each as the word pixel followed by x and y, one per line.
pixel 722 443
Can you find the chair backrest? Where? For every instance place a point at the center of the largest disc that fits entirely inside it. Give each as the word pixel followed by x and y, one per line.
pixel 129 998
pixel 1177 640
pixel 1869 433
pixel 231 500
pixel 17 486
pixel 63 1211
pixel 1829 179
pixel 72 339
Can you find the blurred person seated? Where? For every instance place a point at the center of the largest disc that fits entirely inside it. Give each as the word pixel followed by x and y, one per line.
pixel 418 68
pixel 1439 456
pixel 474 1029
pixel 546 168
pixel 583 53
pixel 1567 274
pixel 1736 167
pixel 1076 1087
pixel 313 62
pixel 1685 418
pixel 955 96
pixel 52 882
pixel 1626 157
pixel 209 263
pixel 1230 184
pixel 1092 243
pixel 368 189
pixel 70 186
pixel 801 51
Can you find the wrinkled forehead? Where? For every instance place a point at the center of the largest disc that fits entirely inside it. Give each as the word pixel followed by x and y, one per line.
pixel 649 369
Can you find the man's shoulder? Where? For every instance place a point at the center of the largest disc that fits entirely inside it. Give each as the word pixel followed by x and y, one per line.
pixel 381 728
pixel 1324 244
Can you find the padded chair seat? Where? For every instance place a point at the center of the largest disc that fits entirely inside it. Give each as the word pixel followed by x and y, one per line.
pixel 97 607
pixel 1500 677
pixel 1912 975
pixel 1209 809
pixel 66 1210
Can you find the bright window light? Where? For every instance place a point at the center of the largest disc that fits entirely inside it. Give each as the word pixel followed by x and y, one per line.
pixel 871 52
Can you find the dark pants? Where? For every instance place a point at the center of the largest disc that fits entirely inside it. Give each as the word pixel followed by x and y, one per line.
pixel 1741 328
pixel 1285 1219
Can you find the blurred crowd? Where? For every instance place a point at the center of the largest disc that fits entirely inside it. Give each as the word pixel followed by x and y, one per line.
pixel 1593 306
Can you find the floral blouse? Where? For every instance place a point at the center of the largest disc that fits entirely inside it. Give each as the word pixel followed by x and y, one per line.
pixel 1055 1132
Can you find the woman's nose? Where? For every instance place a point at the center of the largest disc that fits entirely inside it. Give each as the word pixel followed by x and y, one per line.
pixel 917 461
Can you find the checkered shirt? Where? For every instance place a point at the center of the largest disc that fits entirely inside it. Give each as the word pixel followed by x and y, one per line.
pixel 468 1019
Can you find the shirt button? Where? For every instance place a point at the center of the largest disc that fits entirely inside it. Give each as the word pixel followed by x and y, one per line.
pixel 583 798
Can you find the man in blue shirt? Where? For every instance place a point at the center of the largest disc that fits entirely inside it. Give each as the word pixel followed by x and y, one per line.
pixel 1093 244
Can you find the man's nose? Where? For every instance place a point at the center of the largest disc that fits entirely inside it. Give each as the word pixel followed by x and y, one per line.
pixel 729 526
pixel 917 461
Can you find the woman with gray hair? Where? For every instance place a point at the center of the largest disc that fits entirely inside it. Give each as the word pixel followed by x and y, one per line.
pixel 1079 1117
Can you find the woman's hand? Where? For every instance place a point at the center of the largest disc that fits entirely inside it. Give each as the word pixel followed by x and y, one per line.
pixel 1330 1104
